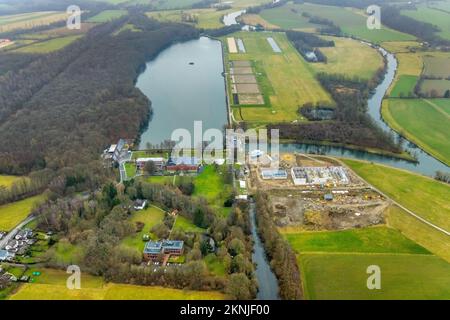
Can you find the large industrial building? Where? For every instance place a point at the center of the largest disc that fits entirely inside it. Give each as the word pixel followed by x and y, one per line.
pixel 319 175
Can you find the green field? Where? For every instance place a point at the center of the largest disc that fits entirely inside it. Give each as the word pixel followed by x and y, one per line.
pixel 30 20
pixel 150 217
pixel 367 240
pixel 425 122
pixel 12 214
pixel 439 87
pixel 210 185
pixel 404 86
pixel 186 225
pixel 51 285
pixel 421 233
pixel 403 276
pixel 424 196
pixel 286 80
pixel 49 45
pixel 351 58
pixel 207 18
pixel 351 21
pixel 436 17
pixel 107 15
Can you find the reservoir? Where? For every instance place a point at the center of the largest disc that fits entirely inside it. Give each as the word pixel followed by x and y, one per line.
pixel 182 92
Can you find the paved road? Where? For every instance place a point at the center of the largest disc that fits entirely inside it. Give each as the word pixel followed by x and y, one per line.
pixel 14 231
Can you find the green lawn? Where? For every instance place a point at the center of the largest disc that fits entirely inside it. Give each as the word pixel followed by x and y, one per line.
pixel 367 240
pixel 13 213
pixel 286 80
pixel 130 169
pixel 425 122
pixel 352 22
pixel 214 264
pixel 425 196
pixel 404 86
pixel 150 217
pixel 210 185
pixel 67 253
pixel 186 225
pixel 107 15
pixel 207 18
pixel 403 276
pixel 49 46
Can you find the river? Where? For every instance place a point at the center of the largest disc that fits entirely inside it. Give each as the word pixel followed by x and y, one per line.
pixel 267 281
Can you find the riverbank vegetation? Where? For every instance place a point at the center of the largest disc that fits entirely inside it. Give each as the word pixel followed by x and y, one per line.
pixel 281 256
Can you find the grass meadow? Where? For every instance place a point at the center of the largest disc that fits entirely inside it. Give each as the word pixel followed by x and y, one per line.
pixel 351 58
pixel 438 18
pixel 424 196
pixel 403 276
pixel 30 20
pixel 107 15
pixel 150 217
pixel 423 121
pixel 352 22
pixel 51 285
pixel 49 45
pixel 12 214
pixel 378 239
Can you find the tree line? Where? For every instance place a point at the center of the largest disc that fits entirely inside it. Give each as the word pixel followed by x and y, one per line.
pixel 282 258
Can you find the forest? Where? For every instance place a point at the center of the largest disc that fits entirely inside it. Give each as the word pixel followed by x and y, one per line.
pixel 66 106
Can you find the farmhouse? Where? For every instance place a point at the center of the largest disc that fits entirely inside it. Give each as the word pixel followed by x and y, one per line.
pixel 159 162
pixel 154 249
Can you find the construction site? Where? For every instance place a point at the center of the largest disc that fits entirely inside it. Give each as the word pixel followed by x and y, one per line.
pixel 317 193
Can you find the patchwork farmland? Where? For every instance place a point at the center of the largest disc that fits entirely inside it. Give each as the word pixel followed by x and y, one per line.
pixel 351 21
pixel 30 20
pixel 272 71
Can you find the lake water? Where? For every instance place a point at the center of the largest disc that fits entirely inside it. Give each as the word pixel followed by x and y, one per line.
pixel 181 92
